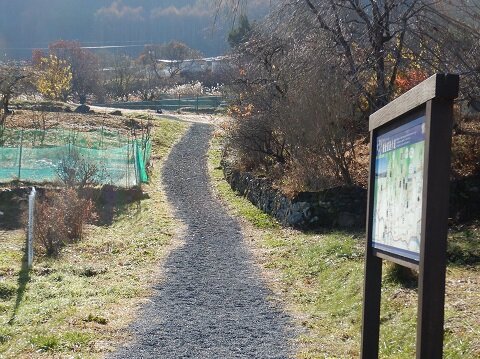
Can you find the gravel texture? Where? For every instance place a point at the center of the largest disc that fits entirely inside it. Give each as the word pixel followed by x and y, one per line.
pixel 212 303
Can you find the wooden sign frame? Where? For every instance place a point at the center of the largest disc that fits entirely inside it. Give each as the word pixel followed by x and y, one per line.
pixel 433 99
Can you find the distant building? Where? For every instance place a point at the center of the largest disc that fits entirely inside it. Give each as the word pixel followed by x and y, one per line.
pixel 213 64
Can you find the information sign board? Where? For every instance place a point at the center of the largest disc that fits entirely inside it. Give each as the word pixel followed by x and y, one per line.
pixel 407 214
pixel 398 189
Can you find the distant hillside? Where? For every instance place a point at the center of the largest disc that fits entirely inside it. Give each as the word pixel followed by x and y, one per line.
pixel 31 24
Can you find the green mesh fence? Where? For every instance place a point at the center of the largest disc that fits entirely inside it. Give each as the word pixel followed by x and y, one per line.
pixel 35 156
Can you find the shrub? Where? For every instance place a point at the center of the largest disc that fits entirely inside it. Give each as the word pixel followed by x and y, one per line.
pixel 60 218
pixel 295 119
pixel 79 212
pixel 466 151
pixel 76 171
pixel 46 342
pixel 50 231
pixel 96 319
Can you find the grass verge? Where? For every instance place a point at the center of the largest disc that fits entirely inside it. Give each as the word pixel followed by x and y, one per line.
pixel 320 278
pixel 78 305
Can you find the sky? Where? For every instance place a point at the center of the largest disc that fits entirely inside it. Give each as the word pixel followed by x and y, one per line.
pixel 27 24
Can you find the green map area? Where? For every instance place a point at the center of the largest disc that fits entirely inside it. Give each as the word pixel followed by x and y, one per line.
pixel 398 198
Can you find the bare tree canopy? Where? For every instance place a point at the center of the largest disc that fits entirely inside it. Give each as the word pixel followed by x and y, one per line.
pixel 311 73
pixel 375 41
pixel 174 54
pixel 84 64
pixel 13 80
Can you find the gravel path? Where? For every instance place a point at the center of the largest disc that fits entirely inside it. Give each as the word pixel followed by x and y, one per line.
pixel 212 303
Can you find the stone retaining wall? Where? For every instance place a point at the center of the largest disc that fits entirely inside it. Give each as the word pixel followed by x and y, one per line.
pixel 339 207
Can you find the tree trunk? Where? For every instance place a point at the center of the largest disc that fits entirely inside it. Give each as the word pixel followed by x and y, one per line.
pixel 5 101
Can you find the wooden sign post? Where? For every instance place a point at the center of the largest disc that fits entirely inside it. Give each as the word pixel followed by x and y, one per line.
pixel 407 214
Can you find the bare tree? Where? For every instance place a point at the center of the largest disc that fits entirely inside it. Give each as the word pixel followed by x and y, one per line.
pixel 148 83
pixel 374 40
pixel 293 110
pixel 171 57
pixel 123 80
pixel 84 64
pixel 13 80
pixel 313 71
